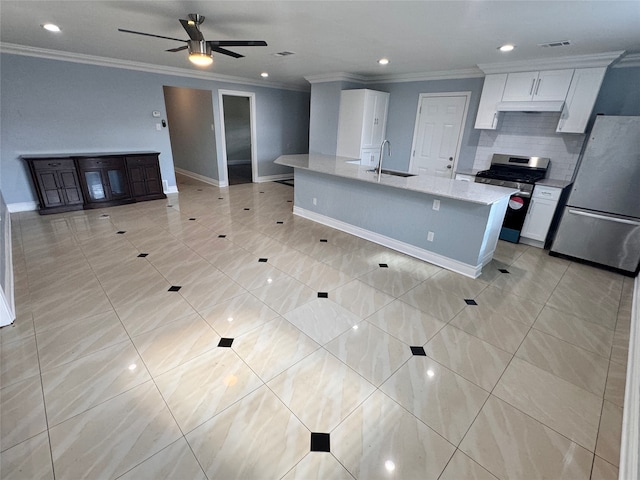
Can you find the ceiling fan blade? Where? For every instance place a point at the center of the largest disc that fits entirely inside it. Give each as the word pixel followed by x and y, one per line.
pixel 178 49
pixel 151 35
pixel 224 51
pixel 192 30
pixel 237 43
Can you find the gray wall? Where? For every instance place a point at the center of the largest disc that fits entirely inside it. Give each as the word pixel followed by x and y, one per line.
pixel 55 106
pixel 237 128
pixel 193 141
pixel 324 110
pixel 403 105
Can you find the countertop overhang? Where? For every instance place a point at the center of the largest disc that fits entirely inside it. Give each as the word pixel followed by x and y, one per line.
pixel 443 187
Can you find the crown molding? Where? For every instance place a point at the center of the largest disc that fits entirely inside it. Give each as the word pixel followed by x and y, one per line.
pixel 335 77
pixel 630 60
pixel 577 61
pixel 395 78
pixel 426 76
pixel 24 50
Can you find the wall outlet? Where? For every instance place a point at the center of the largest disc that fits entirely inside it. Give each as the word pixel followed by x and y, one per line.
pixel 158 126
pixel 430 236
pixel 436 204
pixel 315 201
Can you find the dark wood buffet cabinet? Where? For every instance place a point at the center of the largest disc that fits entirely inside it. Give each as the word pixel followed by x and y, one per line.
pixel 94 180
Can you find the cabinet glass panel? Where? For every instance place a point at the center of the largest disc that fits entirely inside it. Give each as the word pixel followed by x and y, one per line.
pixel 116 180
pixel 94 185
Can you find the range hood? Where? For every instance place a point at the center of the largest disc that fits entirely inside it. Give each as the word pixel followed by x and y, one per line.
pixel 530 106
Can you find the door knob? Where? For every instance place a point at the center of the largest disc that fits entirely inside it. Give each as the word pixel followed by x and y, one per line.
pixel 448 166
pixel 451 159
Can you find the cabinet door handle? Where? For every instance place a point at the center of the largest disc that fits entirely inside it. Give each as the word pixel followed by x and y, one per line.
pixel 533 82
pixel 493 122
pixel 545 193
pixel 538 86
pixel 54 164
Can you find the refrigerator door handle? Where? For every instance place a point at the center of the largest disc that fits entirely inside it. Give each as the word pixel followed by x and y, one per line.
pixel 604 217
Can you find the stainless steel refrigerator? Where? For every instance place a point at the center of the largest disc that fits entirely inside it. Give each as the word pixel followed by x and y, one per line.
pixel 601 220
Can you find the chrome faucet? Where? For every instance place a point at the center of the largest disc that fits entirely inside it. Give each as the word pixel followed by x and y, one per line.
pixel 380 159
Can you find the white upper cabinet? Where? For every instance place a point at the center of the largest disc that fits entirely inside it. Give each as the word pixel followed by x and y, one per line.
pixel 362 121
pixel 577 88
pixel 492 89
pixel 544 86
pixel 580 100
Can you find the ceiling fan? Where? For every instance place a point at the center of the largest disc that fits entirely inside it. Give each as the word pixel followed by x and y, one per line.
pixel 199 48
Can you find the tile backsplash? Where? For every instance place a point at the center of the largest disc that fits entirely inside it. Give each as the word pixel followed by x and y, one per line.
pixel 531 134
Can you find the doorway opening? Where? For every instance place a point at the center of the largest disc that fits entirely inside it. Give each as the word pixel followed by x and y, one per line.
pixel 237 113
pixel 192 133
pixel 438 131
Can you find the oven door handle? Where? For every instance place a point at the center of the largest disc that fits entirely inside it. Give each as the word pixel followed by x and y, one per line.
pixel 522 194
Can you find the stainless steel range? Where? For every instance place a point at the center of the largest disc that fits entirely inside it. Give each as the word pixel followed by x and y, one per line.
pixel 519 172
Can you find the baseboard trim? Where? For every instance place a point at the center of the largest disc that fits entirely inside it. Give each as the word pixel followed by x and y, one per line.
pixel 273 178
pixel 532 242
pixel 22 207
pixel 170 190
pixel 630 440
pixel 201 178
pixel 465 269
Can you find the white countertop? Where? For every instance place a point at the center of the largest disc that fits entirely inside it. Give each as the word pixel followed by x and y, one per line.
pixel 443 187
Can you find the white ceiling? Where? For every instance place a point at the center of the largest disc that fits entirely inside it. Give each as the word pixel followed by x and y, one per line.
pixel 329 36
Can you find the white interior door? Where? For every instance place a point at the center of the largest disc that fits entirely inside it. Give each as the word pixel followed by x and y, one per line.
pixel 438 133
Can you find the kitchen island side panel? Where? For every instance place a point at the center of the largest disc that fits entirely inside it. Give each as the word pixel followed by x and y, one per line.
pixel 460 228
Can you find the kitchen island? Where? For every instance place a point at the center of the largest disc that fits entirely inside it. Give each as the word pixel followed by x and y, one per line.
pixel 449 223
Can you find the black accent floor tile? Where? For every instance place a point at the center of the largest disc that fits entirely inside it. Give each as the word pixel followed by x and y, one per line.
pixel 142 255
pixel 121 232
pixel 199 189
pixel 469 301
pixel 289 201
pixel 104 215
pixel 323 240
pixel 225 342
pixel 503 270
pixel 222 236
pixel 220 198
pixel 174 288
pixel 169 206
pixel 418 351
pixel 262 260
pixel 383 265
pixel 323 294
pixel 260 192
pixel 279 223
pixel 247 209
pixel 320 442
pixel 192 219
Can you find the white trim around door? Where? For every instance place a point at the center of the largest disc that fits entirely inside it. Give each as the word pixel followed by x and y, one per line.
pixel 224 175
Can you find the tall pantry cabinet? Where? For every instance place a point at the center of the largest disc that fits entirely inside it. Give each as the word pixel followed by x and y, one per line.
pixel 362 124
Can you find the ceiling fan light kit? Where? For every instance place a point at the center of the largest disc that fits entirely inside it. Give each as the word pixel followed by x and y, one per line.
pixel 200 51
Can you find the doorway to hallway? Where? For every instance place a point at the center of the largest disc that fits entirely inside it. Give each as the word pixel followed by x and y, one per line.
pixel 238 136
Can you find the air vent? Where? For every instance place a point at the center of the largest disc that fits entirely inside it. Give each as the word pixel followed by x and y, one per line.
pixel 562 43
pixel 283 54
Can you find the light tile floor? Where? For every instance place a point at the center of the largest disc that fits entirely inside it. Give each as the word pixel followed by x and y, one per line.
pixel 215 335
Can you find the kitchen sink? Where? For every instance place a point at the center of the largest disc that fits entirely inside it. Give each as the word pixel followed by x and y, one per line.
pixel 394 173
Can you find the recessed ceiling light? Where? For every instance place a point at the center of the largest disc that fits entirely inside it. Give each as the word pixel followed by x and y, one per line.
pixel 264 74
pixel 51 27
pixel 506 48
pixel 383 61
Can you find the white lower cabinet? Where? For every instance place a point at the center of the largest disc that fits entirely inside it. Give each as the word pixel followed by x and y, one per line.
pixel 541 210
pixel 369 157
